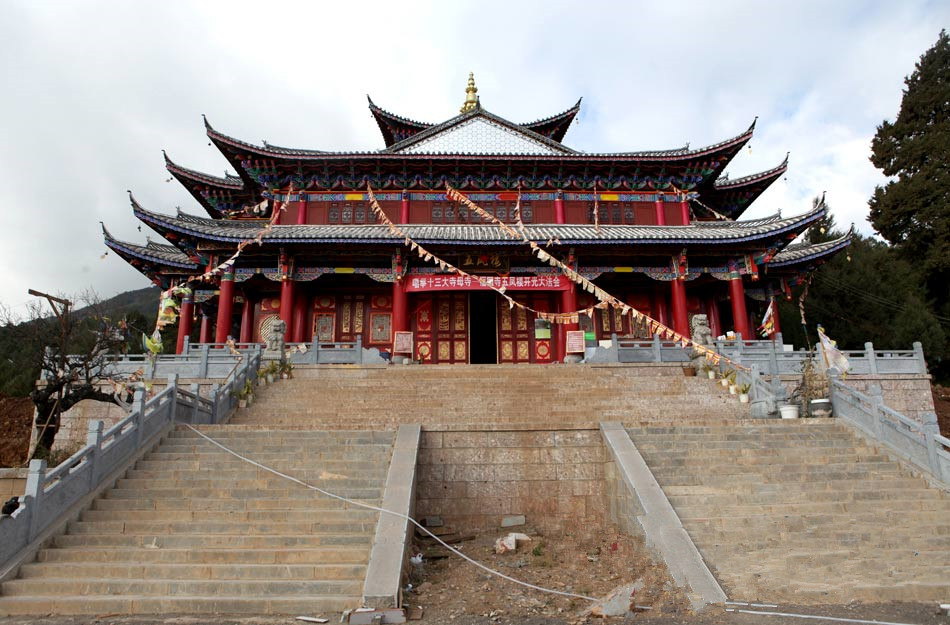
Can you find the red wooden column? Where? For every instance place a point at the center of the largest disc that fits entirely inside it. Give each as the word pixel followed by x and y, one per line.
pixel 660 211
pixel 400 307
pixel 660 306
pixel 225 306
pixel 680 312
pixel 740 318
pixel 684 210
pixel 300 317
pixel 247 320
pixel 302 210
pixel 404 208
pixel 184 321
pixel 287 306
pixel 559 216
pixel 400 299
pixel 712 311
pixel 204 334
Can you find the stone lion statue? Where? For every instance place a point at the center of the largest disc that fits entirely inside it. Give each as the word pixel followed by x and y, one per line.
pixel 699 328
pixel 275 342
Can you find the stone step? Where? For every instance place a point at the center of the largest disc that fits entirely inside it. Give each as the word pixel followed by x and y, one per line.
pixel 217 604
pixel 809 509
pixel 326 480
pixel 53 586
pixel 213 541
pixel 299 492
pixel 713 460
pixel 727 520
pixel 324 517
pixel 324 471
pixel 301 554
pixel 817 538
pixel 136 570
pixel 789 496
pixel 314 504
pixel 276 527
pixel 823 488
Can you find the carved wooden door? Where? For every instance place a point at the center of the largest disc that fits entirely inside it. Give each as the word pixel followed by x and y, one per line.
pixel 440 326
pixel 514 331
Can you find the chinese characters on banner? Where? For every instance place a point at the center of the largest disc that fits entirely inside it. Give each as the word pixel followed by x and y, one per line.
pixel 418 283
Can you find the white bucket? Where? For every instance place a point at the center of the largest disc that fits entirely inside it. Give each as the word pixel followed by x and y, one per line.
pixel 789 411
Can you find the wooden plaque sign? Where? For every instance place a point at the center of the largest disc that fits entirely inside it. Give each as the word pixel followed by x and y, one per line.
pixel 402 343
pixel 575 342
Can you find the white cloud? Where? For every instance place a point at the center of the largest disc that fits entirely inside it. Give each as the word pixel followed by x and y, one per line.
pixel 95 90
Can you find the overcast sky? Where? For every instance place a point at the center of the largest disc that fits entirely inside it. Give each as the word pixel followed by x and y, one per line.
pixel 93 91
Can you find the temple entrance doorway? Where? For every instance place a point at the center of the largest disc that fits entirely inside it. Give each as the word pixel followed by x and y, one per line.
pixel 483 337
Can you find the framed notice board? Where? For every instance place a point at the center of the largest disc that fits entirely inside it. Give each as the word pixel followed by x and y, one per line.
pixel 402 343
pixel 575 341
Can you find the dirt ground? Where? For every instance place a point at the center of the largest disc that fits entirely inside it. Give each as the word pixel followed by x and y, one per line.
pixel 16 415
pixel 942 407
pixel 449 590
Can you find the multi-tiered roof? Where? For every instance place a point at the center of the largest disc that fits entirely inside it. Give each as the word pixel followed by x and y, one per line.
pixel 475 151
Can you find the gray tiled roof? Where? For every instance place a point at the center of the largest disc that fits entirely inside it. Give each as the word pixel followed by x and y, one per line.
pixel 391 152
pixel 154 252
pixel 726 183
pixel 699 233
pixel 803 252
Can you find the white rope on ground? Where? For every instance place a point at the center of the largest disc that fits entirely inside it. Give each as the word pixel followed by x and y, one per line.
pixel 817 617
pixel 395 514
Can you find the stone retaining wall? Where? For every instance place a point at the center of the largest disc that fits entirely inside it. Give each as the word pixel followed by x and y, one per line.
pixel 474 479
pixel 12 482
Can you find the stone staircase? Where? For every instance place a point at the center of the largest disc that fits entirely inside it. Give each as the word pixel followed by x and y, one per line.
pixel 802 511
pixel 192 529
pixel 490 397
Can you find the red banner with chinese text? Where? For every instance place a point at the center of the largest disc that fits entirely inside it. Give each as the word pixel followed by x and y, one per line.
pixel 426 282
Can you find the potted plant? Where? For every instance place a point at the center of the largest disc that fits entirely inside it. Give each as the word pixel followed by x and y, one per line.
pixel 244 394
pixel 689 371
pixel 709 370
pixel 262 376
pixel 273 368
pixel 744 393
pixel 727 378
pixel 286 370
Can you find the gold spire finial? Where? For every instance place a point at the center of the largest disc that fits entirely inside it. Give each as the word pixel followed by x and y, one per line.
pixel 471 100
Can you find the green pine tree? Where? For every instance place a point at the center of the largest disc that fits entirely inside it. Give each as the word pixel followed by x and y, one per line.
pixel 912 211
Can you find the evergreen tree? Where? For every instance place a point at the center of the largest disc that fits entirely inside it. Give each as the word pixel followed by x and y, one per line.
pixel 912 211
pixel 867 293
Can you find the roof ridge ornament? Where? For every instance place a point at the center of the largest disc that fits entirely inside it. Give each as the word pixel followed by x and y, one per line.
pixel 471 99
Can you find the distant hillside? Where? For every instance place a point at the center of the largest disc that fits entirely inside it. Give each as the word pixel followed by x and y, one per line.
pixel 143 301
pixel 21 344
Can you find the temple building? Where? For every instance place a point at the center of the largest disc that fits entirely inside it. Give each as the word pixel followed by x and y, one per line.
pixel 660 230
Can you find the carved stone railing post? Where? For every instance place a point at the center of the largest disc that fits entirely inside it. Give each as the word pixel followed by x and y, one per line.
pixel 203 365
pixel 34 490
pixel 919 356
pixel 213 396
pixel 872 360
pixel 94 440
pixel 138 414
pixel 931 428
pixel 877 400
pixel 195 409
pixel 657 353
